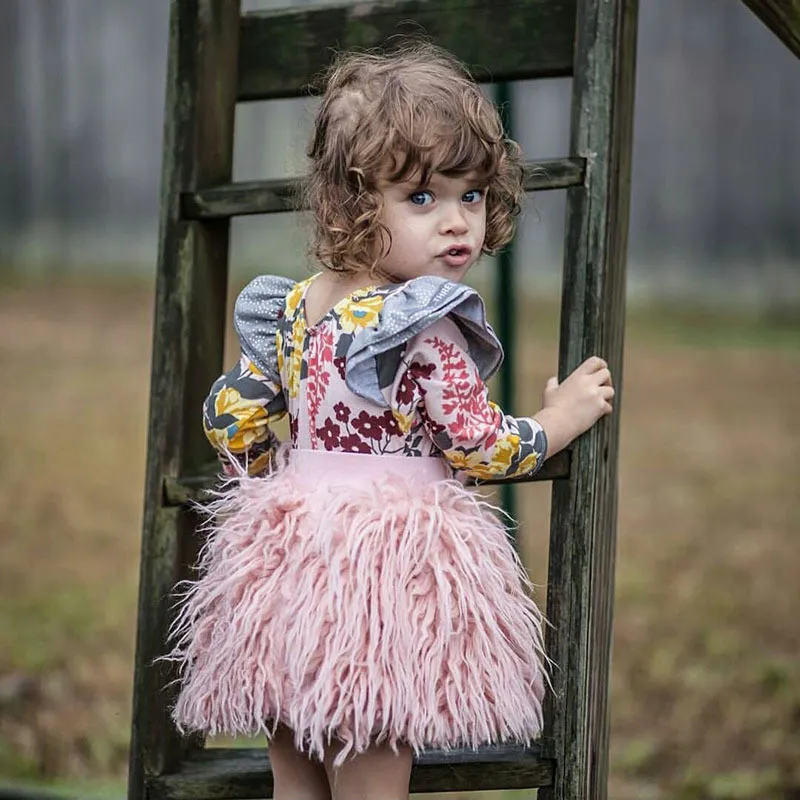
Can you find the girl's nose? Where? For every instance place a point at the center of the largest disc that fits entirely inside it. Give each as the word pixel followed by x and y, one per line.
pixel 454 220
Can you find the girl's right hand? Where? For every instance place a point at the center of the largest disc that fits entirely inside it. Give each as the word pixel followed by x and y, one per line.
pixel 573 406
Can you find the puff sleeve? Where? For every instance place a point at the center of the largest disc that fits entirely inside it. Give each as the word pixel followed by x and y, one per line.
pixel 444 384
pixel 244 401
pixel 376 353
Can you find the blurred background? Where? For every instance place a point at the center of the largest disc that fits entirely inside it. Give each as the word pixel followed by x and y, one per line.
pixel 706 675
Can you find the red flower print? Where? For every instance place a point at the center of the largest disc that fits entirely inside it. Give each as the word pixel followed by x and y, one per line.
pixel 434 427
pixel 369 426
pixel 328 434
pixel 342 412
pixel 339 363
pixel 390 424
pixel 352 444
pixel 422 370
pixel 464 397
pixel 406 389
pixel 319 358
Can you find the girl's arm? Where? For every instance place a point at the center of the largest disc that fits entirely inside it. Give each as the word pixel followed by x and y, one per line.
pixel 236 417
pixel 474 434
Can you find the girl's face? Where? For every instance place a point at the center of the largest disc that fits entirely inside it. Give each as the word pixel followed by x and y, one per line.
pixel 437 229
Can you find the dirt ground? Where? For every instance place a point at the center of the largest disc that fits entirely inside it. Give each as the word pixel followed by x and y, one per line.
pixel 706 671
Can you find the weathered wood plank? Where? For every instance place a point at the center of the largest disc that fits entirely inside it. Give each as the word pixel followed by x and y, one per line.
pixel 245 773
pixel 283 52
pixel 583 517
pixel 782 17
pixel 506 294
pixel 244 198
pixel 194 489
pixel 269 197
pixel 187 347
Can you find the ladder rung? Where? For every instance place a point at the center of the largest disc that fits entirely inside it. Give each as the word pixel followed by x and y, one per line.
pixel 245 773
pixel 182 491
pixel 268 197
pixel 241 199
pixel 282 52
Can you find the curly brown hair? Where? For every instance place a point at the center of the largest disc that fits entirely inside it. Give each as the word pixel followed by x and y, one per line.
pixel 408 113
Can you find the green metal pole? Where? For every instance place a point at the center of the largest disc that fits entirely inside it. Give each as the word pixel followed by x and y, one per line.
pixel 505 308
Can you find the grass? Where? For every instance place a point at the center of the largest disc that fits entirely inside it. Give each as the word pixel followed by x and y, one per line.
pixel 706 675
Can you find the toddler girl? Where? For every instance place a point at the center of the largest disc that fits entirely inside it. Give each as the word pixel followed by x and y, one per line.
pixel 357 603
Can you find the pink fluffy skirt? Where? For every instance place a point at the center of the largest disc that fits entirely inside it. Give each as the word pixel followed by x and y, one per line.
pixel 384 612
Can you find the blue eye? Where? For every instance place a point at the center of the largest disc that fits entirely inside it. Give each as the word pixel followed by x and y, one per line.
pixel 473 196
pixel 420 198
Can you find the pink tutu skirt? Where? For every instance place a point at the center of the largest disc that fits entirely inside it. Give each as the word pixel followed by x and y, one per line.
pixel 359 599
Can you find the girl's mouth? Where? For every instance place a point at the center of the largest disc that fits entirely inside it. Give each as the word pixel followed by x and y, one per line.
pixel 456 256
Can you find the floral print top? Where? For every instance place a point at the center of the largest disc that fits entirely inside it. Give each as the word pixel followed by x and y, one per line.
pixel 388 370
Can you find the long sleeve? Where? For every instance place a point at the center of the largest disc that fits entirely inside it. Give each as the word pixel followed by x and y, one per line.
pixel 244 401
pixel 237 414
pixel 441 379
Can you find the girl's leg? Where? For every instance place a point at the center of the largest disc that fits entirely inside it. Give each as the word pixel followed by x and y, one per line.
pixel 296 776
pixel 377 774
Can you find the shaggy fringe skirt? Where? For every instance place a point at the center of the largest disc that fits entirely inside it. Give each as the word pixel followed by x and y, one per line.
pixel 359 599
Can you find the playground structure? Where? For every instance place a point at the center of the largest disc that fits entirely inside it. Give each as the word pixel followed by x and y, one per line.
pixel 219 57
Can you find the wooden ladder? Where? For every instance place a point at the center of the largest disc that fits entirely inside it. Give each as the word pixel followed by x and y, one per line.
pixel 218 57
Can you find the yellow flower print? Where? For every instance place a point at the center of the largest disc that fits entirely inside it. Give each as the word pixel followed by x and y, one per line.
pixel 360 312
pixel 474 464
pixel 404 421
pixel 260 463
pixel 528 464
pixel 296 357
pixel 483 471
pixel 298 335
pixel 503 454
pixel 467 462
pixel 226 401
pixel 293 383
pixel 279 348
pixel 250 428
pixel 295 296
pixel 253 369
pixel 250 425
